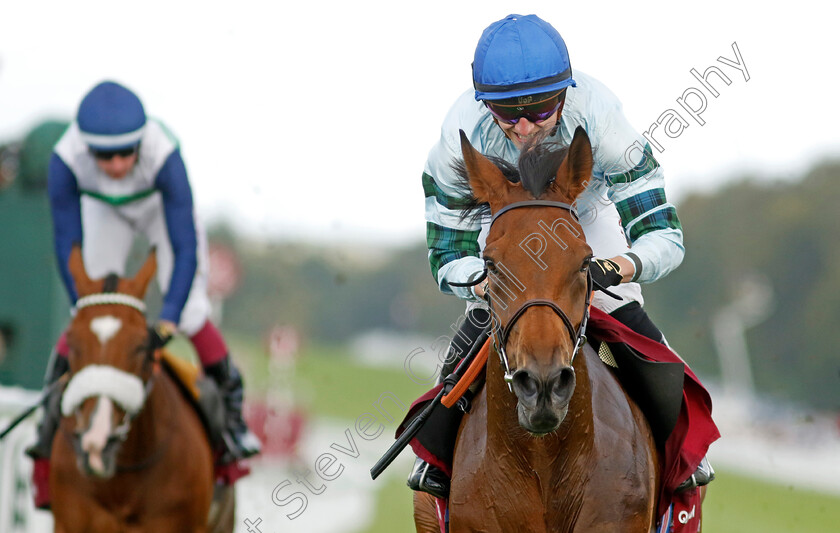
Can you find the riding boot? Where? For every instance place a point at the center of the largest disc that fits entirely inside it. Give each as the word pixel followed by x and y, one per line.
pixel 704 475
pixel 428 478
pixel 41 450
pixel 240 442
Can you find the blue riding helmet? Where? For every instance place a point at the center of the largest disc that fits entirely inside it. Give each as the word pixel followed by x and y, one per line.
pixel 520 56
pixel 111 118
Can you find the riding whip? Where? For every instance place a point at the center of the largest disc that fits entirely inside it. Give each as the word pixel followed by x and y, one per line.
pixel 417 423
pixel 29 410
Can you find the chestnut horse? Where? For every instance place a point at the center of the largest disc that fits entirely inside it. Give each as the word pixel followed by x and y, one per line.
pixel 131 454
pixel 552 443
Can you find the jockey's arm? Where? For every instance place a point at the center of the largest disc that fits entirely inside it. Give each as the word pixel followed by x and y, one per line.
pixel 174 186
pixel 454 254
pixel 454 251
pixel 651 226
pixel 63 191
pixel 628 269
pixel 636 185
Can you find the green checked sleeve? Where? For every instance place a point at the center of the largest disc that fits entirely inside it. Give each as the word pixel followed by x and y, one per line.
pixel 453 242
pixel 636 185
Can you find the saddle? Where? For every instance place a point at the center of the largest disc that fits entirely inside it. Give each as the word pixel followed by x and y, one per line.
pixel 655 386
pixel 201 392
pixel 204 396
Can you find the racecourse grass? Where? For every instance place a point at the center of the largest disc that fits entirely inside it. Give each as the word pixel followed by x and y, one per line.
pixel 394 512
pixel 325 379
pixel 739 504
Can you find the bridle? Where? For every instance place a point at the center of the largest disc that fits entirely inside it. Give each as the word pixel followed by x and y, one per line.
pixel 502 332
pixel 120 433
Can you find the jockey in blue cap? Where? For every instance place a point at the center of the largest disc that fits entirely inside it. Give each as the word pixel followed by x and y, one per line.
pixel 115 174
pixel 525 91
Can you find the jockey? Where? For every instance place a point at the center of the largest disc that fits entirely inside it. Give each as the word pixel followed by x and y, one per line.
pixel 524 91
pixel 115 174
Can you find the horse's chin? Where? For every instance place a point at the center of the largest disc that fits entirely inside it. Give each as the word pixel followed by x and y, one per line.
pixel 541 422
pixel 96 471
pixel 99 465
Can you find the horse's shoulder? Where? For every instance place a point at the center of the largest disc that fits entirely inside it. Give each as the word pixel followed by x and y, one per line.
pixel 472 433
pixel 610 400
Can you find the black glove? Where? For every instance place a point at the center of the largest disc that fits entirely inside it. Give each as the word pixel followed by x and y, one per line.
pixel 605 273
pixel 159 335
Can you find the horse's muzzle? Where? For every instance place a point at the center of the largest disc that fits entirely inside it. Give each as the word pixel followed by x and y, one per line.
pixel 543 400
pixel 100 464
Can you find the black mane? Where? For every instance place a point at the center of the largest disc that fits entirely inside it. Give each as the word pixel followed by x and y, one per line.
pixel 535 171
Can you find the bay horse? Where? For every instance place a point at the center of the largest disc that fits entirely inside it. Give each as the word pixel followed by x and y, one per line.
pixel 552 443
pixel 131 454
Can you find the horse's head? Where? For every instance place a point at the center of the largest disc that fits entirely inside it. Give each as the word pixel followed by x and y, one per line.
pixel 110 363
pixel 537 261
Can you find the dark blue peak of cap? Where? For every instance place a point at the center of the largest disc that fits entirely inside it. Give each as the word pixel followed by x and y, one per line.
pixel 111 117
pixel 520 55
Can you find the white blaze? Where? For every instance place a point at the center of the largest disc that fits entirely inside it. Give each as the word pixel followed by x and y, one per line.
pixel 105 327
pixel 95 438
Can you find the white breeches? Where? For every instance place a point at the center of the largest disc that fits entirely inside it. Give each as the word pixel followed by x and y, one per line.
pixel 108 236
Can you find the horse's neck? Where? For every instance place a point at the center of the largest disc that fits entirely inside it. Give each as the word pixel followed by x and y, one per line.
pixel 574 435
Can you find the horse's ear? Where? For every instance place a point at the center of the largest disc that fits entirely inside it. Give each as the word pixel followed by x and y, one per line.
pixel 76 265
pixel 487 181
pixel 576 169
pixel 137 286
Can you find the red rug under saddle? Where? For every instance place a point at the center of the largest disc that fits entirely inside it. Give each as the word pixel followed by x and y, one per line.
pixel 686 446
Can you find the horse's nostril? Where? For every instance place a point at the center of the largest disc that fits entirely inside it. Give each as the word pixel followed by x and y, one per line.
pixel 564 384
pixel 526 386
pixel 567 377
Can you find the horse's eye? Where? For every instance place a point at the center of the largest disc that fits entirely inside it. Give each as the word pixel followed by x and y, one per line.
pixel 489 264
pixel 586 262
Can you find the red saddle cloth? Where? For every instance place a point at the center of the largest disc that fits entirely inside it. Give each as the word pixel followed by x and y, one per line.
pixel 686 446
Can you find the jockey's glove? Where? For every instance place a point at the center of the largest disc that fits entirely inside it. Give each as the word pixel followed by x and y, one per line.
pixel 160 333
pixel 605 273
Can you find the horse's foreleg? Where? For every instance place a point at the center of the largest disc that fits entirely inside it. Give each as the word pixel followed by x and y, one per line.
pixel 222 511
pixel 91 520
pixel 75 512
pixel 171 523
pixel 425 513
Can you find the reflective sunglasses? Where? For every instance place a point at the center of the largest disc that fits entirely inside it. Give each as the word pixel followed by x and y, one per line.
pixel 535 112
pixel 107 155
